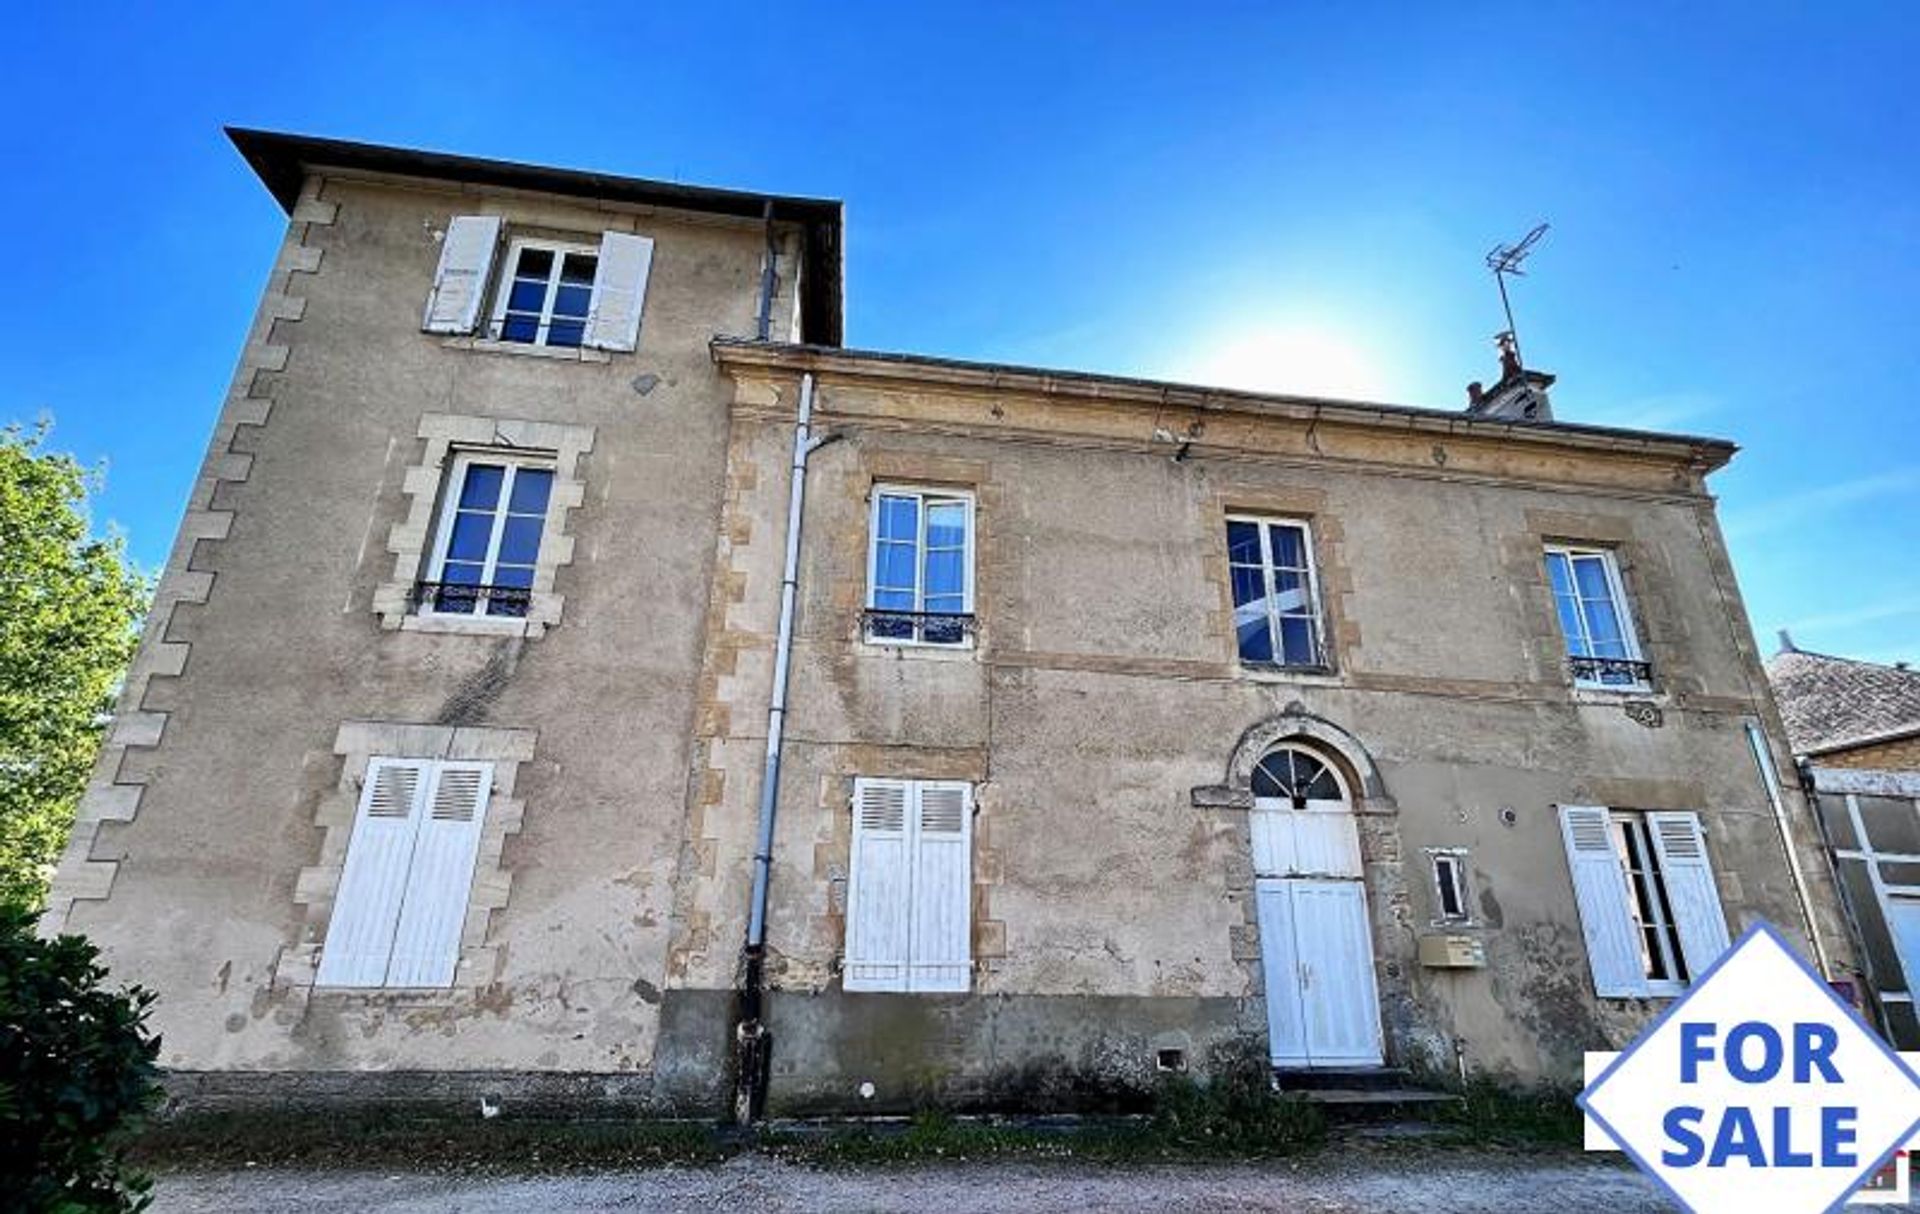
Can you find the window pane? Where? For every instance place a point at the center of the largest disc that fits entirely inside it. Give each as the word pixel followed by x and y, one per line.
pixel 893 569
pixel 1322 787
pixel 471 532
pixel 946 524
pixel 578 268
pixel 531 488
pixel 946 604
pixel 527 296
pixel 1243 543
pixel 535 263
pixel 1289 547
pixel 509 578
pixel 519 328
pixel 568 333
pixel 1607 642
pixel 1296 642
pixel 1266 783
pixel 1570 626
pixel 460 573
pixel 1590 572
pixel 900 519
pixel 1249 587
pixel 1290 591
pixel 937 632
pixel 1557 573
pixel 482 488
pixel 520 540
pixel 893 600
pixel 946 573
pixel 1256 639
pixel 572 301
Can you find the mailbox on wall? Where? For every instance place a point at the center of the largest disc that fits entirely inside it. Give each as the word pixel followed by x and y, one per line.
pixel 1453 952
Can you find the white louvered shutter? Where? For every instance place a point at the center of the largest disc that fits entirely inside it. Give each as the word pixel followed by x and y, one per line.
pixel 1600 887
pixel 619 291
pixel 879 888
pixel 426 944
pixel 941 954
pixel 366 908
pixel 1681 848
pixel 460 283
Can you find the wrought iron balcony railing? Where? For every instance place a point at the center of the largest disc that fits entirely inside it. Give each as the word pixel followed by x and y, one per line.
pixel 456 598
pixel 925 627
pixel 1611 672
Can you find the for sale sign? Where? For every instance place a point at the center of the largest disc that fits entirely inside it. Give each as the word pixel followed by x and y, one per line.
pixel 1758 1091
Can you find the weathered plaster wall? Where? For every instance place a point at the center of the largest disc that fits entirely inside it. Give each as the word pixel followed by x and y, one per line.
pixel 224 775
pixel 1901 754
pixel 1104 689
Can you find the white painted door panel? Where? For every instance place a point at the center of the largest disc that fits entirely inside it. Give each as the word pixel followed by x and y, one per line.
pixel 1321 840
pixel 1286 1038
pixel 1335 950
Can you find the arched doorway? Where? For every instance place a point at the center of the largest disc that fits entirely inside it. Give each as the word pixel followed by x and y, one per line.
pixel 1316 946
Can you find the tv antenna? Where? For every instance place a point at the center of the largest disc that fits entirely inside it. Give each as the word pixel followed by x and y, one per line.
pixel 1504 260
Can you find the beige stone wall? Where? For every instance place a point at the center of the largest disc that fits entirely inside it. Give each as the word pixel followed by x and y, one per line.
pixel 1104 688
pixel 1901 754
pixel 204 863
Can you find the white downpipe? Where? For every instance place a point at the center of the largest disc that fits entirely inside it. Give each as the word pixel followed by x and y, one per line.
pixel 1770 780
pixel 782 656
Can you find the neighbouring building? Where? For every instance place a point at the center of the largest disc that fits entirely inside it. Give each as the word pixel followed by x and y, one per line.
pixel 1855 731
pixel 514 722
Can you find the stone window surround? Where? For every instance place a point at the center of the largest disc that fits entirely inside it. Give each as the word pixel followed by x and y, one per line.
pixel 1333 580
pixel 410 539
pixel 357 743
pixel 1644 608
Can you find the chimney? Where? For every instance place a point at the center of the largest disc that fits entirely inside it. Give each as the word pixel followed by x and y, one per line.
pixel 1521 395
pixel 1786 642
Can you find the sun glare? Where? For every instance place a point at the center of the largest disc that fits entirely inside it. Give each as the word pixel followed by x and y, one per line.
pixel 1307 360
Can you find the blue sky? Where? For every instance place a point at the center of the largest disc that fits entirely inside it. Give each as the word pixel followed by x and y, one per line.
pixel 1285 196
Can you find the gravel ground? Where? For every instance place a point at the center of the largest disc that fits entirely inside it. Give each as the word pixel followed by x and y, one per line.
pixel 1459 1182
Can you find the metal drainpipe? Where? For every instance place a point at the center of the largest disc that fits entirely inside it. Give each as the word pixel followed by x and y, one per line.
pixel 1770 780
pixel 752 1045
pixel 764 325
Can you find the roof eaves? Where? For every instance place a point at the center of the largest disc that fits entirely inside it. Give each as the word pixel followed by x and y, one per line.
pixel 1712 453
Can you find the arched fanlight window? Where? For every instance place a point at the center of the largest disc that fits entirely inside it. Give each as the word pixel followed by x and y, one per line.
pixel 1296 776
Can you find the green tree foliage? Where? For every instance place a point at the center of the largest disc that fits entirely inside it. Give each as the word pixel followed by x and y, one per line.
pixel 77 1075
pixel 69 607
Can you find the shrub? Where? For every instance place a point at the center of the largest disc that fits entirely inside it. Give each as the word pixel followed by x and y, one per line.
pixel 1496 1109
pixel 1236 1112
pixel 77 1074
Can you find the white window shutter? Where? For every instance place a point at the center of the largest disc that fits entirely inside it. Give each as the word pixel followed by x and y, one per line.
pixel 941 954
pixel 879 887
pixel 619 290
pixel 466 257
pixel 426 944
pixel 1600 887
pixel 1681 848
pixel 366 907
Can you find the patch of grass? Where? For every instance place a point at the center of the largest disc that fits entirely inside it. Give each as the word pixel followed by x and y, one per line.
pixel 1237 1114
pixel 379 1140
pixel 1499 1112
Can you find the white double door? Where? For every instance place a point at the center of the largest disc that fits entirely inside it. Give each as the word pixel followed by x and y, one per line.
pixel 1316 946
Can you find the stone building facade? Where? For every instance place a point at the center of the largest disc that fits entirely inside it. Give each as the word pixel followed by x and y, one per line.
pixel 1121 722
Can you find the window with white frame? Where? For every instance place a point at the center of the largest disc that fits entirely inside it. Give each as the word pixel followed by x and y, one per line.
pixel 1276 600
pixel 1649 908
pixel 545 294
pixel 401 904
pixel 549 293
pixel 1591 601
pixel 492 517
pixel 920 567
pixel 910 887
pixel 1450 893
